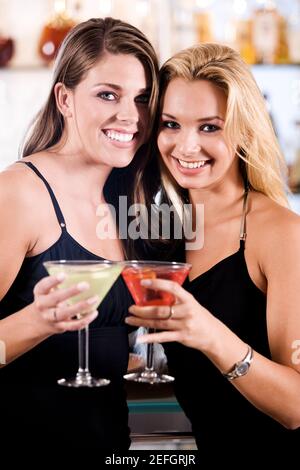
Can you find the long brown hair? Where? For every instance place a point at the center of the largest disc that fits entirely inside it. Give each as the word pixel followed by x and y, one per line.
pixel 81 49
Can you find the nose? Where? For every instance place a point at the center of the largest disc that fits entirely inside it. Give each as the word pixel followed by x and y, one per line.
pixel 128 112
pixel 189 146
pixel 189 150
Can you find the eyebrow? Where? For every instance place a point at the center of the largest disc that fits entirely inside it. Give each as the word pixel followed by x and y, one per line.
pixel 118 87
pixel 208 118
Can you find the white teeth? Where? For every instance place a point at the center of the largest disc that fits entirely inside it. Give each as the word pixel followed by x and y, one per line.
pixel 192 165
pixel 120 137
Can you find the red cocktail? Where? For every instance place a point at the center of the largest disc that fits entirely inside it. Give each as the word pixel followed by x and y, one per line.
pixel 133 273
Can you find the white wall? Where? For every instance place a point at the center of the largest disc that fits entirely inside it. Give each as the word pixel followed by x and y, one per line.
pixel 22 93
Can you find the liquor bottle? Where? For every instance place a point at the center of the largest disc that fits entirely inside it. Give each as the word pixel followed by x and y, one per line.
pixel 282 50
pixel 244 40
pixel 270 35
pixel 203 26
pixel 265 34
pixel 55 31
pixel 6 50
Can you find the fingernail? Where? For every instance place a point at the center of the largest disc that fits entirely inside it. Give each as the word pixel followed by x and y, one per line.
pixel 146 282
pixel 83 286
pixel 60 277
pixel 93 300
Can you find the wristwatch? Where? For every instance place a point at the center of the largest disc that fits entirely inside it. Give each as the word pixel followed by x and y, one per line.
pixel 242 367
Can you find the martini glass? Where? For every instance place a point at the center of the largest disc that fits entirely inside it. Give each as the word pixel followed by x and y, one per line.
pixel 100 275
pixel 133 273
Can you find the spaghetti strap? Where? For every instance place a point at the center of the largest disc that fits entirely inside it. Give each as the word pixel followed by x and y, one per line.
pixel 57 209
pixel 243 230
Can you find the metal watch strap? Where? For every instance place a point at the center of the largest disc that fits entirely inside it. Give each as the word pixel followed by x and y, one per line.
pixel 242 367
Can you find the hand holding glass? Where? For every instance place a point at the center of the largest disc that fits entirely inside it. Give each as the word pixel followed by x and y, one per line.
pixel 133 273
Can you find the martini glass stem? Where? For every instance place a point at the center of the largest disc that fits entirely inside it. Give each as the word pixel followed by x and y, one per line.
pixel 83 373
pixel 150 354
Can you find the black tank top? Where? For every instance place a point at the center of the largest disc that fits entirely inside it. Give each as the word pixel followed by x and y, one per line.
pixel 35 407
pixel 221 416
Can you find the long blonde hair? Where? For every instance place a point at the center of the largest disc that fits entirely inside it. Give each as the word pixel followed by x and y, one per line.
pixel 248 126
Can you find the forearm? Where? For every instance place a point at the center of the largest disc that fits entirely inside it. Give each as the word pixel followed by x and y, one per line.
pixel 271 387
pixel 19 333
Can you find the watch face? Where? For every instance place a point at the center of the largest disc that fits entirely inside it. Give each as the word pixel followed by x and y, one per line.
pixel 242 369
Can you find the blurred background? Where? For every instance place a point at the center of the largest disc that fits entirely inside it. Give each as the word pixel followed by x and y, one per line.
pixel 265 32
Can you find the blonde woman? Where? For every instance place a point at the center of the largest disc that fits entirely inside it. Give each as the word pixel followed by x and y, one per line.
pixel 232 336
pixel 92 125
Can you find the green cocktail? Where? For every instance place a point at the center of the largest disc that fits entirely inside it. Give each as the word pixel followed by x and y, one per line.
pixel 100 275
pixel 100 278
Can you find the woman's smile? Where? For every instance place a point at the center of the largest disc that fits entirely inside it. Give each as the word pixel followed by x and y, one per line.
pixel 192 167
pixel 121 138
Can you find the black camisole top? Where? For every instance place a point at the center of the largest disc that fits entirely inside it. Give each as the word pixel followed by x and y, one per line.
pixel 220 415
pixel 35 411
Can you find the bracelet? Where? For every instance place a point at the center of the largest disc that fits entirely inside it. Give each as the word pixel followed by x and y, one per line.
pixel 242 367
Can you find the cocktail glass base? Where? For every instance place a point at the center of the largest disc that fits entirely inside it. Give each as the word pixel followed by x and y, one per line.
pixel 150 377
pixel 83 380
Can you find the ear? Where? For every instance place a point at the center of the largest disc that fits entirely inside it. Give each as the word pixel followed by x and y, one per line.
pixel 63 97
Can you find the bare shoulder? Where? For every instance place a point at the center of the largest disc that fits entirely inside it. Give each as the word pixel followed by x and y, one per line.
pixel 271 218
pixel 13 188
pixel 14 180
pixel 21 195
pixel 275 230
pixel 19 181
